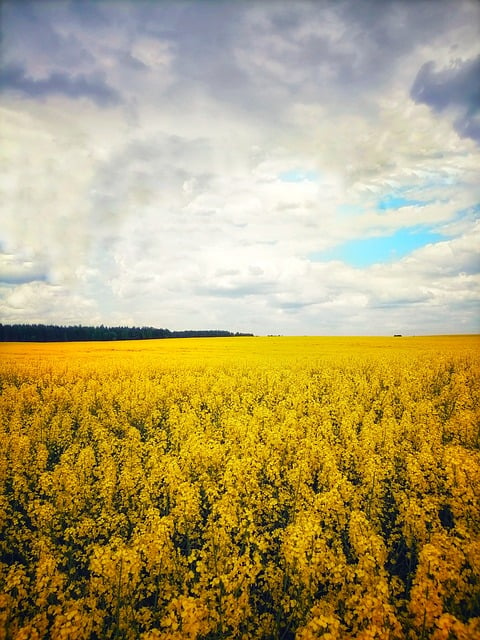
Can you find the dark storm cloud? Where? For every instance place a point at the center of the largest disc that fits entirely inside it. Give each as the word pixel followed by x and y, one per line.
pixel 88 13
pixel 43 54
pixel 457 86
pixel 14 78
pixel 253 56
pixel 42 33
pixel 258 56
pixel 204 36
pixel 361 43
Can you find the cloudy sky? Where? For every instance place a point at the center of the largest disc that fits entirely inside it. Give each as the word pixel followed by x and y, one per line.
pixel 273 167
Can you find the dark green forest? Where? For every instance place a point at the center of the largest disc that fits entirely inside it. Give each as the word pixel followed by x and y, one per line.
pixel 55 333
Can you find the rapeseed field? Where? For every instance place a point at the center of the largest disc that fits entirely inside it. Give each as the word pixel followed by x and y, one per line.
pixel 271 488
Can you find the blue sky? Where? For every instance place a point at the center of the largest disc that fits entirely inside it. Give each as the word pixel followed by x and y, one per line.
pixel 364 252
pixel 396 201
pixel 244 166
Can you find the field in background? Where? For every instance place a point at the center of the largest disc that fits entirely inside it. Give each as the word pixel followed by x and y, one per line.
pixel 217 351
pixel 240 488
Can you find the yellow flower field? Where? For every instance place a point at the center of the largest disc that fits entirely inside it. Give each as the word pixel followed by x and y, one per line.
pixel 270 488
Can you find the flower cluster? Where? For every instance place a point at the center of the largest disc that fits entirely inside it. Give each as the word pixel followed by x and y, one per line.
pixel 269 488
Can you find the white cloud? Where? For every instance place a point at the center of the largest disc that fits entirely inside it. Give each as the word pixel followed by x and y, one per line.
pixel 40 302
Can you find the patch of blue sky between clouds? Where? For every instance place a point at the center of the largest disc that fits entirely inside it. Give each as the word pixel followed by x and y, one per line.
pixel 395 201
pixel 469 212
pixel 298 175
pixel 367 251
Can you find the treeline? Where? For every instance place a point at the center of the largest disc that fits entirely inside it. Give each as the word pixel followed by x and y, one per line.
pixel 54 333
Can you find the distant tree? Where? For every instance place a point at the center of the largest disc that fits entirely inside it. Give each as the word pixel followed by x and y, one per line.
pixel 55 333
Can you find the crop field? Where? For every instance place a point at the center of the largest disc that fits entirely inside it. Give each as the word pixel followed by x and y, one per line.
pixel 271 488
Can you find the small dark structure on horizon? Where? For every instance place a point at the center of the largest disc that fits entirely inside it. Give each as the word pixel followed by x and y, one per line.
pixel 397 335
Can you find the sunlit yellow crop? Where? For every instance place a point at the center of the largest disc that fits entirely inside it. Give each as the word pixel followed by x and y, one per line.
pixel 270 488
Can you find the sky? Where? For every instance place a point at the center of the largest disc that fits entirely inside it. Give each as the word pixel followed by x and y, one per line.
pixel 274 167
